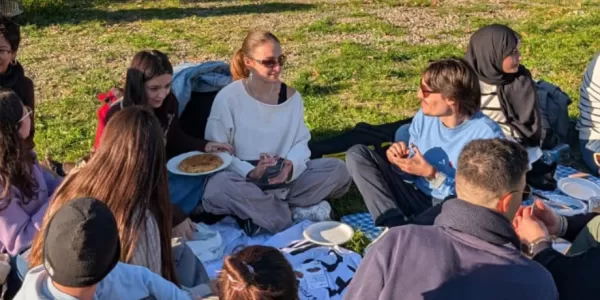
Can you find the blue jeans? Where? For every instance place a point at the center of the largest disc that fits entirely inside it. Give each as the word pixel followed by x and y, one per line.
pixel 19 268
pixel 588 148
pixel 186 191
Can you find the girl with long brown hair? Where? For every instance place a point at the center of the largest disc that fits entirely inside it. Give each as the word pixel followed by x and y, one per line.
pixel 128 173
pixel 257 273
pixel 148 84
pixel 263 119
pixel 25 187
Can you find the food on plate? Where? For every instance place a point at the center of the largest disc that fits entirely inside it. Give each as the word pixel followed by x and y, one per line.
pixel 200 163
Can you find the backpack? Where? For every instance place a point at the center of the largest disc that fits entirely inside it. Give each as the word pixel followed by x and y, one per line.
pixel 554 105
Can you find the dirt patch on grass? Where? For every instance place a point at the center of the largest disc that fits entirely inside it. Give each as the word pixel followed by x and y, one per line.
pixel 428 26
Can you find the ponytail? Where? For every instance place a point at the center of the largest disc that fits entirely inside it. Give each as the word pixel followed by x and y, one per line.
pixel 238 67
pixel 257 272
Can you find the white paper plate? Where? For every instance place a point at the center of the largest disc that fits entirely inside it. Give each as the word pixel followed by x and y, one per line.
pixel 329 233
pixel 173 163
pixel 578 188
pixel 575 206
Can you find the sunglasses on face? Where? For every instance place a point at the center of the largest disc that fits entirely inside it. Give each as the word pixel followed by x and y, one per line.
pixel 426 91
pixel 271 62
pixel 28 112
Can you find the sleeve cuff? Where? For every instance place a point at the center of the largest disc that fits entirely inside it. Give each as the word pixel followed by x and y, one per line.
pixel 299 168
pixel 242 168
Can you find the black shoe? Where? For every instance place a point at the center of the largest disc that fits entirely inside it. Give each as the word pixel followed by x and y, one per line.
pixel 249 227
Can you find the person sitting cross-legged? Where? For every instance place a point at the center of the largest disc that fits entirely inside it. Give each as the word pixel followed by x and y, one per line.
pixel 472 251
pixel 448 119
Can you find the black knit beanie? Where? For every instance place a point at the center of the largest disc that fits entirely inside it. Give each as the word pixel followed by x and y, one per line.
pixel 81 243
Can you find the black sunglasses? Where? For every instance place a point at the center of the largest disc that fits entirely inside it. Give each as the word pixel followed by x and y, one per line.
pixel 271 62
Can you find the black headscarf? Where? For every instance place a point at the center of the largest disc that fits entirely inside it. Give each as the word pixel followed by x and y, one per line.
pixel 487 49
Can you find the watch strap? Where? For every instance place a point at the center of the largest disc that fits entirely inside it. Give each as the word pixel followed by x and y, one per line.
pixel 539 246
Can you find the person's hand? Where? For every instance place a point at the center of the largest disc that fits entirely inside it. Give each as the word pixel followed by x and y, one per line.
pixel 185 229
pixel 212 147
pixel 528 227
pixel 544 214
pixel 284 174
pixel 214 287
pixel 265 161
pixel 397 151
pixel 416 165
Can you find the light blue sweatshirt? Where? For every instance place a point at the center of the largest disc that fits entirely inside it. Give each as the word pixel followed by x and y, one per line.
pixel 123 282
pixel 441 147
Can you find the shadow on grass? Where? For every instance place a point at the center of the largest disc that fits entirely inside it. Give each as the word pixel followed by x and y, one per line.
pixel 51 15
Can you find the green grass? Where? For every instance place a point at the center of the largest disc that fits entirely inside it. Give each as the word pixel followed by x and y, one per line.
pixel 353 61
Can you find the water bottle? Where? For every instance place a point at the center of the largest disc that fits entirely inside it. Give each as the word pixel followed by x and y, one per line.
pixel 557 154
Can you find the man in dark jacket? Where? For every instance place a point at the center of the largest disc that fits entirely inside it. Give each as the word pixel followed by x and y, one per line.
pixel 576 274
pixel 472 251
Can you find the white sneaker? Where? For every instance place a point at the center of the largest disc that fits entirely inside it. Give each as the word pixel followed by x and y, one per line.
pixel 316 213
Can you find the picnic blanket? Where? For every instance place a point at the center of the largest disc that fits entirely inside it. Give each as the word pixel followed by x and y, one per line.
pixel 364 223
pixel 336 266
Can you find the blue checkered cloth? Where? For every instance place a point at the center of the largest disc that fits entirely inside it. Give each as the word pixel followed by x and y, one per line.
pixel 562 172
pixel 364 223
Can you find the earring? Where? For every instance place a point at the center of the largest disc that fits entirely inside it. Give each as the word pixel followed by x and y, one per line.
pixel 14 62
pixel 251 75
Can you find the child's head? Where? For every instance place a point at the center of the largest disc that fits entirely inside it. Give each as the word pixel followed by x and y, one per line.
pixel 257 273
pixel 81 246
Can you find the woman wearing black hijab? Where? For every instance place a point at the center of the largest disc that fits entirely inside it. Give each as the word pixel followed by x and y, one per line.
pixel 509 96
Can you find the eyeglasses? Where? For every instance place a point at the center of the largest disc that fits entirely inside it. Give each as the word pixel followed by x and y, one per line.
pixel 28 112
pixel 526 192
pixel 4 52
pixel 426 92
pixel 271 62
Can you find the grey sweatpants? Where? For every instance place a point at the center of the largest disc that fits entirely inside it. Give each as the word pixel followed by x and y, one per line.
pixel 229 193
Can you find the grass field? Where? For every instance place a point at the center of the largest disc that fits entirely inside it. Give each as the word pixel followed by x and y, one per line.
pixel 352 60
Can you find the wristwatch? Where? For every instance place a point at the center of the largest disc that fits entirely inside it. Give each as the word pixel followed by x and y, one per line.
pixel 538 246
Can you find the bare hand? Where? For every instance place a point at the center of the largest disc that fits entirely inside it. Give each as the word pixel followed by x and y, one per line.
pixel 212 147
pixel 396 151
pixel 544 214
pixel 265 161
pixel 415 165
pixel 185 229
pixel 284 174
pixel 528 227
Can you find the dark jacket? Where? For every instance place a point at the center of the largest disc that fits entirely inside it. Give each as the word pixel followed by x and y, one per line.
pixel 470 253
pixel 577 276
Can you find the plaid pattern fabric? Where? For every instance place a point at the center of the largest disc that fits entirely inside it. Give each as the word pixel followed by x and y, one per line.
pixel 364 223
pixel 562 172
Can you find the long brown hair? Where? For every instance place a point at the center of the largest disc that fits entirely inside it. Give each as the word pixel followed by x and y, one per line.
pixel 252 40
pixel 257 273
pixel 128 173
pixel 15 161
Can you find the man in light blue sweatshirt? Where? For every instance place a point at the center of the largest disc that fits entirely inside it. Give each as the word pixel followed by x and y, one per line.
pixel 81 261
pixel 420 174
